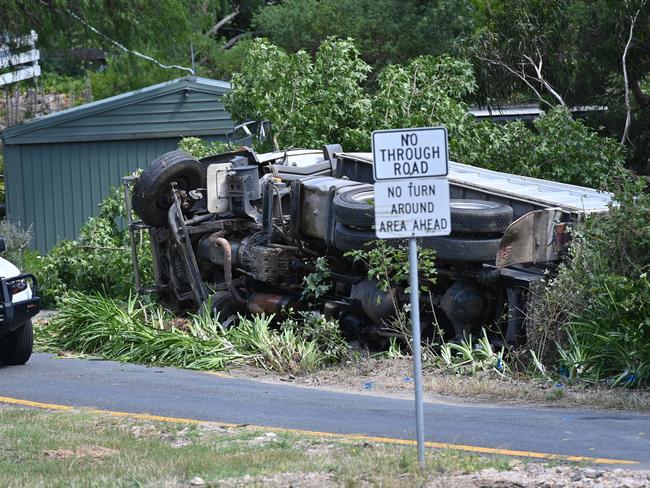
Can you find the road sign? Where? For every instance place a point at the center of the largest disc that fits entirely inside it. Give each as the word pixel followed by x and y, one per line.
pixel 410 153
pixel 417 207
pixel 412 200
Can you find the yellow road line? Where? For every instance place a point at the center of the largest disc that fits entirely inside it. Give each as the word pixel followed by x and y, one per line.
pixel 342 437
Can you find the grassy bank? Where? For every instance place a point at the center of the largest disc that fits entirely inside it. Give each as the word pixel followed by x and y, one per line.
pixel 42 448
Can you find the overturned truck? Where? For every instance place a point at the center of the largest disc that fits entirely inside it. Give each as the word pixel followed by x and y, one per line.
pixel 241 230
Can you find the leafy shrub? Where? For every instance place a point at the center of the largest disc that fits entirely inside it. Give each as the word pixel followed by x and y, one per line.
pixel 200 149
pixel 599 301
pixel 16 241
pixel 389 265
pixel 557 148
pixel 99 260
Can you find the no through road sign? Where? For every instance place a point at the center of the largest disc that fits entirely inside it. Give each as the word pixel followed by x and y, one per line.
pixel 412 200
pixel 409 153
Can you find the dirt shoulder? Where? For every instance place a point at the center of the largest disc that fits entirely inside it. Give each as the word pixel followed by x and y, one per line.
pixel 393 377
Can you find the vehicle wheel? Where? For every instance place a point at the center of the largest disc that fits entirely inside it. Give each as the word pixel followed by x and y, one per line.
pixel 348 239
pixel 16 347
pixel 479 217
pixel 226 308
pixel 151 195
pixel 355 208
pixel 463 250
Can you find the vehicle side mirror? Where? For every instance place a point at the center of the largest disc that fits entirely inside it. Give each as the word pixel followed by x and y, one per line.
pixel 3 246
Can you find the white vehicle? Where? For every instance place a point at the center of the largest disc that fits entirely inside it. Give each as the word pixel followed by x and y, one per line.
pixel 19 303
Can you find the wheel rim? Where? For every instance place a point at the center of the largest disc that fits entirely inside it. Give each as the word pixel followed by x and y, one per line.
pixel 367 196
pixel 471 205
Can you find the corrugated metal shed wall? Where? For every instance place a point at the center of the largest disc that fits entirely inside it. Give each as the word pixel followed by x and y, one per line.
pixel 59 167
pixel 58 186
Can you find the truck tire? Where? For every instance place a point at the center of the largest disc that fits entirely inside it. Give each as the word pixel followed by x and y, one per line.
pixel 226 308
pixel 16 347
pixel 348 239
pixel 479 217
pixel 151 198
pixel 463 250
pixel 355 207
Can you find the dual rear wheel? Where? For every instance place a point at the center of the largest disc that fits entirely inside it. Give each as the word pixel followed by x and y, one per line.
pixel 477 226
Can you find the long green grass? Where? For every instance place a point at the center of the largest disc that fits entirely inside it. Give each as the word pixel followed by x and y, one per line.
pixel 138 332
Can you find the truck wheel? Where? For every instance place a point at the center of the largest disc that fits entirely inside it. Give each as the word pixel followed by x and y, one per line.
pixel 151 196
pixel 356 207
pixel 348 239
pixel 479 217
pixel 16 347
pixel 463 250
pixel 226 308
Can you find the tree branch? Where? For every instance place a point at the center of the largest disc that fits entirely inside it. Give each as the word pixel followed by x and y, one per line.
pixel 234 40
pixel 540 77
pixel 628 105
pixel 215 28
pixel 522 76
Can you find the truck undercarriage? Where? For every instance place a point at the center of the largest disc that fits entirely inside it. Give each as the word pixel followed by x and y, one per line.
pixel 240 231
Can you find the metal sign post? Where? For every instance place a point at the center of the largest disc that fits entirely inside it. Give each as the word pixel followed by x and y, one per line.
pixel 412 200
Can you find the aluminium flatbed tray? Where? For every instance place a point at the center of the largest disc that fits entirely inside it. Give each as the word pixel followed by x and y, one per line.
pixel 570 198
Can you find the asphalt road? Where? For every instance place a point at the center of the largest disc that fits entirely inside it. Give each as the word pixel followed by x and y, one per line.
pixel 109 385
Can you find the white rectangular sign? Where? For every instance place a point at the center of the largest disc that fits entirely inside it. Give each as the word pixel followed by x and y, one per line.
pixel 412 208
pixel 410 153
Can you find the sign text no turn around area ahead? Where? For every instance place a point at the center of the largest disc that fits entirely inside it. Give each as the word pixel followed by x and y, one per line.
pixel 412 208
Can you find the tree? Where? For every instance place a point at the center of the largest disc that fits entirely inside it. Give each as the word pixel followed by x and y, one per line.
pixel 570 52
pixel 309 102
pixel 385 31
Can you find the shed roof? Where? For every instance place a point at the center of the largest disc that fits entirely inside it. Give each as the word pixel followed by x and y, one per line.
pixel 181 107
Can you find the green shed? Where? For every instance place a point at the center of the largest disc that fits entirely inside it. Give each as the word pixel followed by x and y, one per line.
pixel 60 166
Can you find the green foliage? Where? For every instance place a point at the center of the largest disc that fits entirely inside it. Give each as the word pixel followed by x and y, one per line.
pixel 578 44
pixel 309 107
pixel 142 332
pixel 136 332
pixel 324 332
pixel 386 31
pixel 558 148
pixel 467 357
pixel 283 351
pixel 318 283
pixel 389 265
pixel 309 102
pixel 53 82
pixel 16 241
pixel 125 73
pixel 604 332
pixel 200 149
pixel 610 339
pixel 99 260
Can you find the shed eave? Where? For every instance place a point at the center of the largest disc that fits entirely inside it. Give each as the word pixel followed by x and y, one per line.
pixel 117 137
pixel 113 103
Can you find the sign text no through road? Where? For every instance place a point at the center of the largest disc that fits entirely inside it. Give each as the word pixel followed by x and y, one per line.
pixel 409 153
